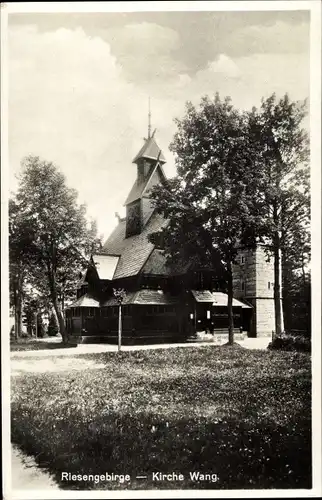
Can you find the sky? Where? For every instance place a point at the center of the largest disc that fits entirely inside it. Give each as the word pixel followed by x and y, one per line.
pixel 79 85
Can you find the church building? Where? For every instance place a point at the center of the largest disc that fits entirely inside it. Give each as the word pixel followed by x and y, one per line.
pixel 162 303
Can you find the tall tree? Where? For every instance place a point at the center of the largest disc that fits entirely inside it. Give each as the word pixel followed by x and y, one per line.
pixel 210 204
pixel 62 237
pixel 20 258
pixel 280 156
pixel 296 278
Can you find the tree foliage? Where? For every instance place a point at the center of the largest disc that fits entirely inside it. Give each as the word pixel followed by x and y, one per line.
pixel 280 150
pixel 242 178
pixel 20 260
pixel 210 205
pixel 61 237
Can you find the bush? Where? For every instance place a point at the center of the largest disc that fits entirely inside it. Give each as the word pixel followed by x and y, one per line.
pixel 40 327
pixel 289 342
pixel 52 326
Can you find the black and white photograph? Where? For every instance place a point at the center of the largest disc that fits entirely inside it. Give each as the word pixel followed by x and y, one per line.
pixel 161 267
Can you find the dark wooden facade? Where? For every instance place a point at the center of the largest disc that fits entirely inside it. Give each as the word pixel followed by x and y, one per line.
pixel 160 303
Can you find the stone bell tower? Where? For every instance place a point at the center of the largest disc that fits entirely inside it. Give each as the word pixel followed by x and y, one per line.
pixel 253 279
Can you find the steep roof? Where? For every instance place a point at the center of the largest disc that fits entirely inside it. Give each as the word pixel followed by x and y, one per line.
pixel 139 188
pixel 216 298
pixel 151 151
pixel 135 250
pixel 136 191
pixel 85 301
pixel 156 265
pixel 145 297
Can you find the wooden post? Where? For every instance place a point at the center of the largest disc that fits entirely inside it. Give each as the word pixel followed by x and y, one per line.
pixel 120 328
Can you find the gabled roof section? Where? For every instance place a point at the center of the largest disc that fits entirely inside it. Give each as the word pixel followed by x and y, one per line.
pixel 139 188
pixel 105 265
pixel 136 192
pixel 85 301
pixel 156 265
pixel 218 299
pixel 134 250
pixel 145 297
pixel 82 281
pixel 151 151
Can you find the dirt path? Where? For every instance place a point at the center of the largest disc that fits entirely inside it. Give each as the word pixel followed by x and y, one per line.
pixel 27 475
pixel 53 361
pixel 248 343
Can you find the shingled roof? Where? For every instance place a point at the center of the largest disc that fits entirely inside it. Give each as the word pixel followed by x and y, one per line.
pixel 145 297
pixel 136 191
pixel 135 250
pixel 156 265
pixel 216 298
pixel 139 188
pixel 151 151
pixel 85 301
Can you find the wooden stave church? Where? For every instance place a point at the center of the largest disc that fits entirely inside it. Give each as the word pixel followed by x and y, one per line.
pixel 160 303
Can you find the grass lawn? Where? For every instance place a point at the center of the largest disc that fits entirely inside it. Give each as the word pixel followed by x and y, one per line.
pixel 30 344
pixel 243 415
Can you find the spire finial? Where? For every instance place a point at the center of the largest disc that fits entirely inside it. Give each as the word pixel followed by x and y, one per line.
pixel 149 120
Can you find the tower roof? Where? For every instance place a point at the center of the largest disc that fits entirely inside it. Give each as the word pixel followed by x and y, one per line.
pixel 151 151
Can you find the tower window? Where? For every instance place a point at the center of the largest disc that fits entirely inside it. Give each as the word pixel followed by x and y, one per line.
pixel 242 285
pixel 242 259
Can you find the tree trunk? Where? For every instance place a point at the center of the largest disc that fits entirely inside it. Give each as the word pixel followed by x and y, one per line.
pixel 230 305
pixel 18 307
pixel 277 285
pixel 59 314
pixel 16 325
pixel 61 321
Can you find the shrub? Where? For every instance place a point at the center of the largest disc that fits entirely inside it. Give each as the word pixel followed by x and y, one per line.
pixel 289 342
pixel 40 326
pixel 52 326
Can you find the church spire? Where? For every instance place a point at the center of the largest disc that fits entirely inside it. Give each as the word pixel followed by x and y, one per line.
pixel 149 119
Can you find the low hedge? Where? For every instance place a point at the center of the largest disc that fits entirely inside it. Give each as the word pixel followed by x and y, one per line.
pixel 289 342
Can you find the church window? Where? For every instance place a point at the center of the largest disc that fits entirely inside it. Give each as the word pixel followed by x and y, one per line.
pixel 242 283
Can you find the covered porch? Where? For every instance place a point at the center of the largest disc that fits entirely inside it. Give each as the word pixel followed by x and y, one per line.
pixel 208 313
pixel 82 317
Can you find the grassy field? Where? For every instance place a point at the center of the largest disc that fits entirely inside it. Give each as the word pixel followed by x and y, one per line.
pixel 243 415
pixel 30 344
